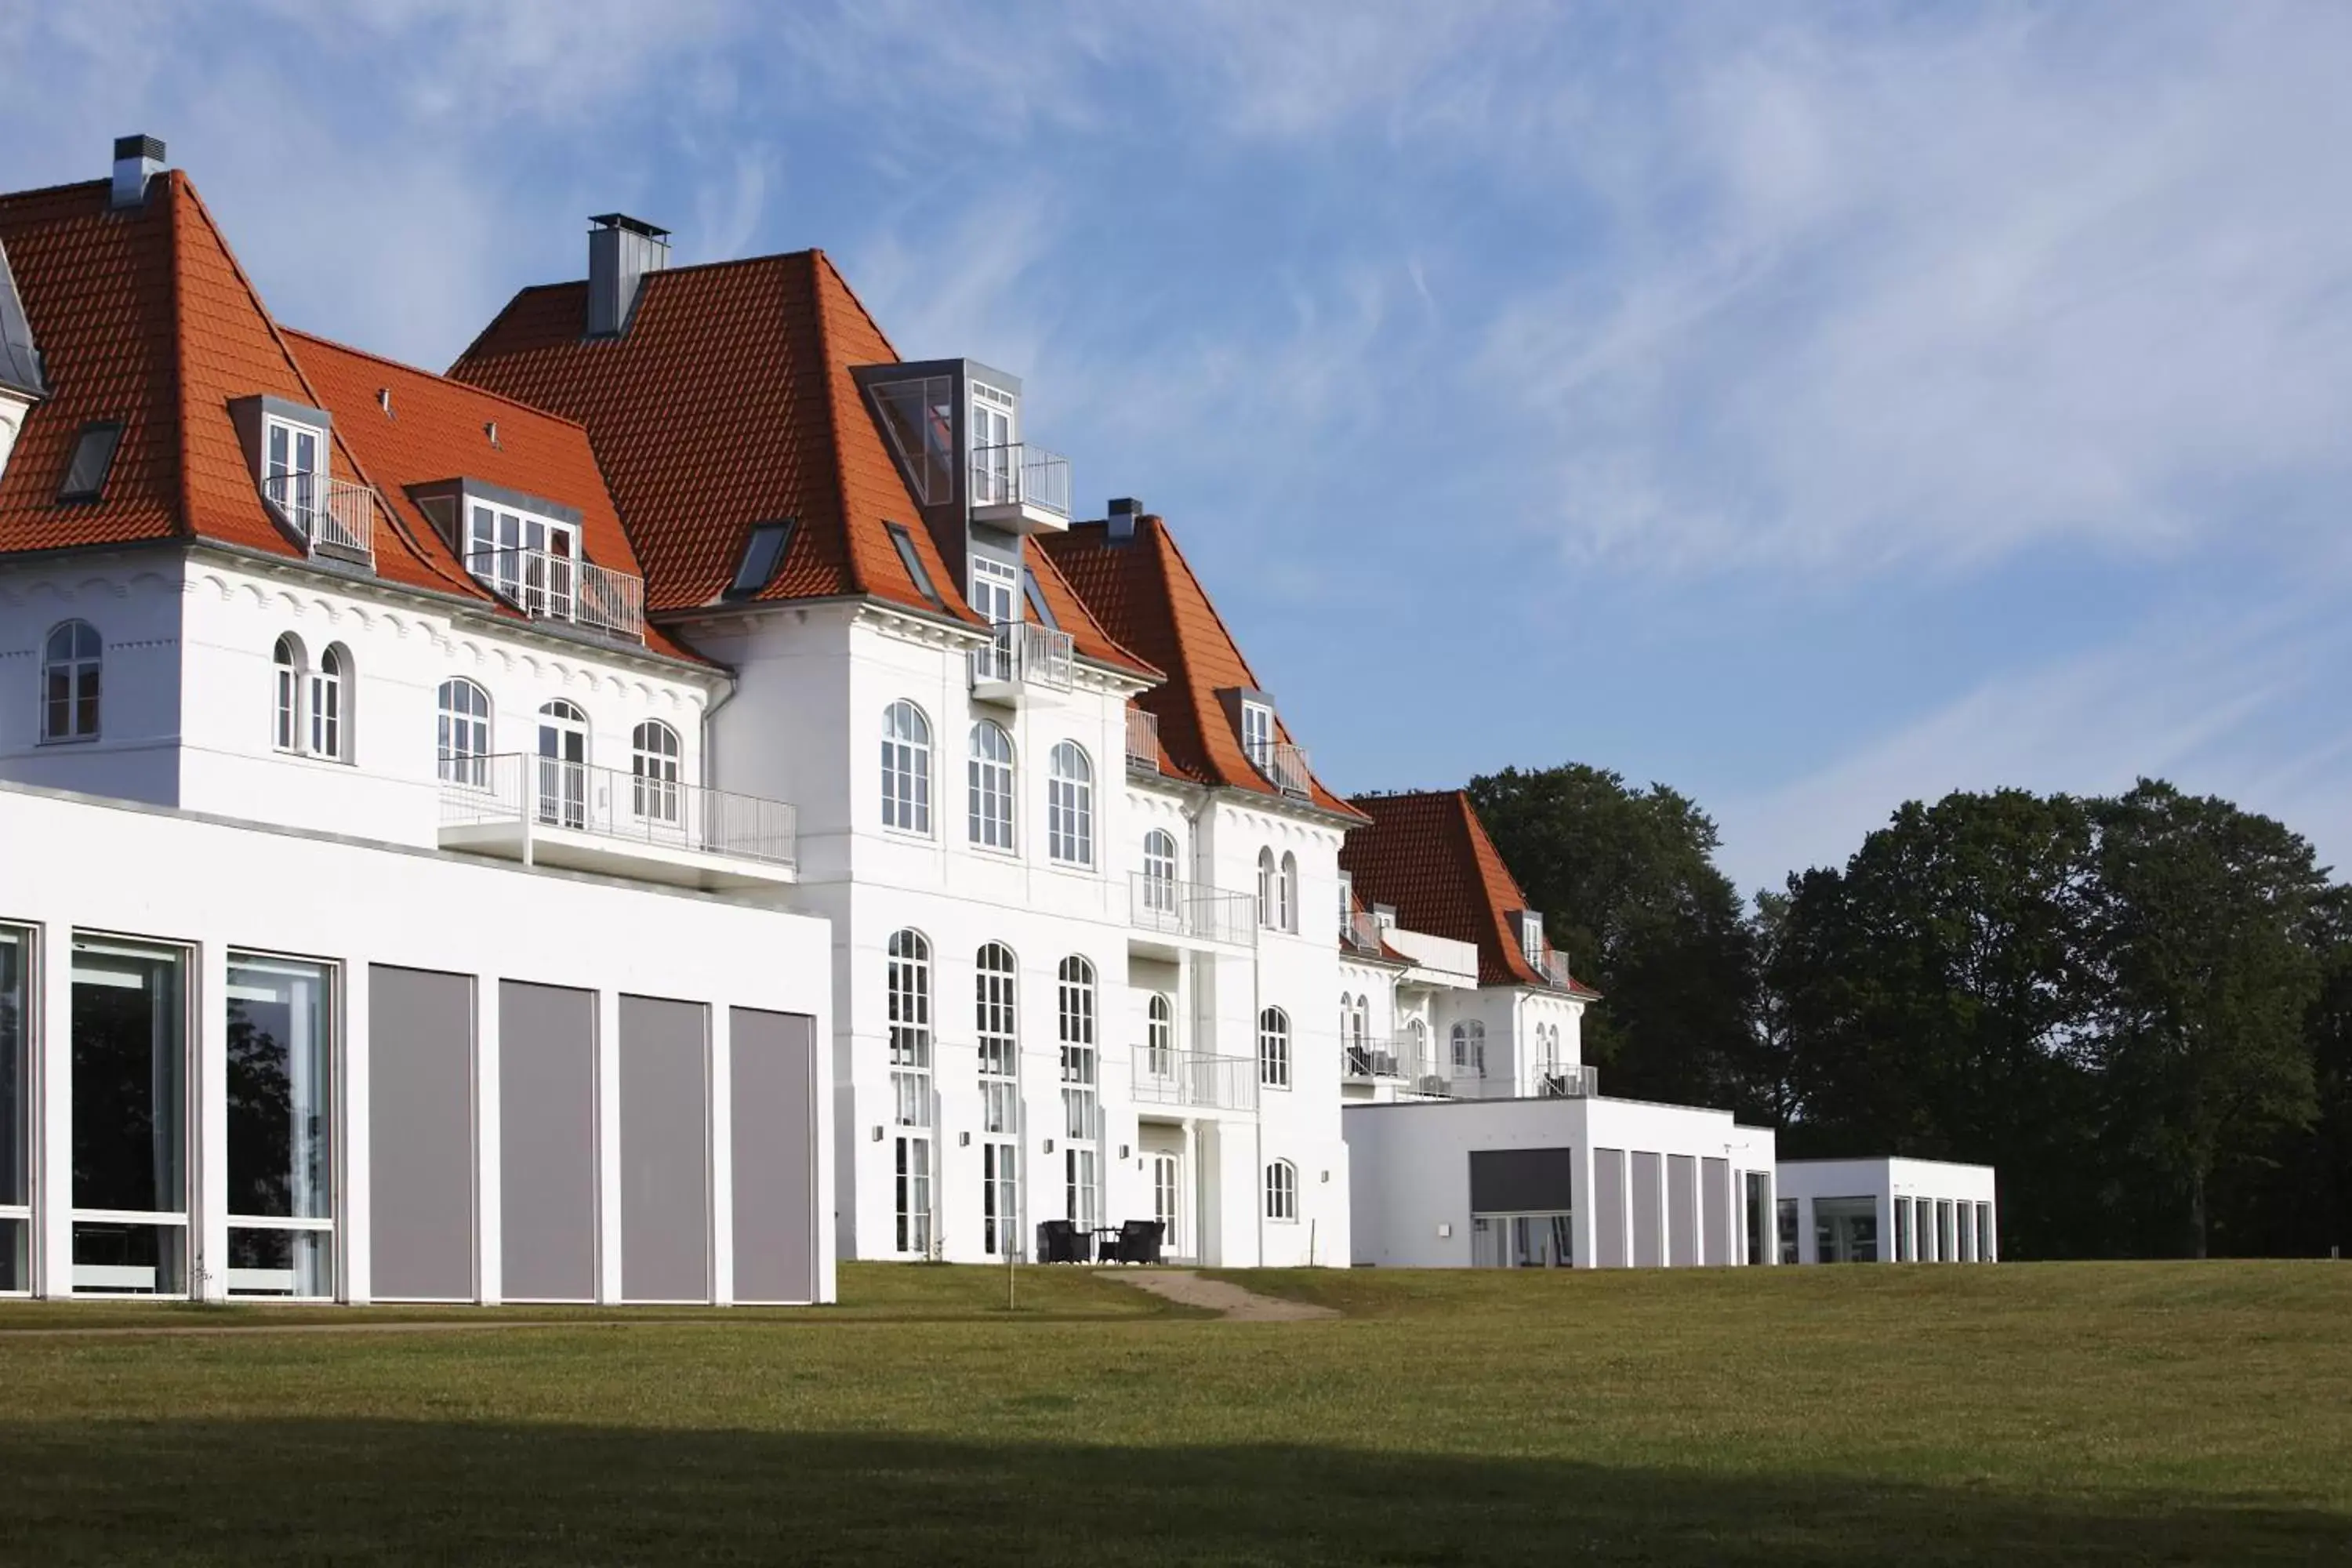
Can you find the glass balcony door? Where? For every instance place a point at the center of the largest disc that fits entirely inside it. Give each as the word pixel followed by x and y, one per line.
pixel 562 766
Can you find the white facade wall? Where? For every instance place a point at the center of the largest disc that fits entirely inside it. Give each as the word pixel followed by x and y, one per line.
pixel 1949 1237
pixel 77 865
pixel 1411 1191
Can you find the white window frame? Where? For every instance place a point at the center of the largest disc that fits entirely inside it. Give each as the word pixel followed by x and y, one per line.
pixel 657 759
pixel 329 976
pixel 1070 807
pixel 1077 1010
pixel 1258 733
pixel 1265 889
pixel 1159 871
pixel 1286 889
pixel 329 715
pixel 1160 1035
pixel 1282 1193
pixel 995 586
pixel 906 769
pixel 18 1064
pixel 1274 1032
pixel 290 681
pixel 991 785
pixel 295 480
pixel 84 669
pixel 532 560
pixel 462 736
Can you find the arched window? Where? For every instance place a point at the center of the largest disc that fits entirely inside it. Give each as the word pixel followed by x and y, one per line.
pixel 989 812
pixel 1159 1036
pixel 1273 1048
pixel 1416 1036
pixel 563 772
pixel 330 703
pixel 1082 1156
pixel 1159 871
pixel 286 667
pixel 1470 1050
pixel 654 752
pixel 908 985
pixel 905 768
pixel 463 733
pixel 1285 892
pixel 1070 807
pixel 1282 1191
pixel 1265 892
pixel 71 662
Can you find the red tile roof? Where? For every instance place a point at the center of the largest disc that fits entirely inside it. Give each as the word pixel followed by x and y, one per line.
pixel 1427 855
pixel 434 429
pixel 730 402
pixel 144 316
pixel 1143 591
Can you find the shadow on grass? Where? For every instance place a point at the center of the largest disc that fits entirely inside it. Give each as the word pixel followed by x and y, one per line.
pixel 381 1491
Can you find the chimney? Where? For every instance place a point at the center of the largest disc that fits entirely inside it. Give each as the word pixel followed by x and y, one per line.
pixel 137 160
pixel 621 251
pixel 1123 513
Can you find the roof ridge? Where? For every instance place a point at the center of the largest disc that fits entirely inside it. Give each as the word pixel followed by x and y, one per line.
pixel 182 185
pixel 444 377
pixel 851 289
pixel 33 191
pixel 834 436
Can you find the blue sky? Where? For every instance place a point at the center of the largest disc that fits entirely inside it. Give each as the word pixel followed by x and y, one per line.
pixel 1810 406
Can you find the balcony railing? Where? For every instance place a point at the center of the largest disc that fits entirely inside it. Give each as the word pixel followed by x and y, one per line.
pixel 1190 908
pixel 1023 654
pixel 1374 1058
pixel 1361 932
pixel 1285 767
pixel 1552 964
pixel 1194 1078
pixel 550 587
pixel 543 792
pixel 335 517
pixel 1142 740
pixel 1022 474
pixel 1572 1082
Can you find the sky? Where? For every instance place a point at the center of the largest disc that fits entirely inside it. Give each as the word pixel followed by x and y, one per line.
pixel 1808 406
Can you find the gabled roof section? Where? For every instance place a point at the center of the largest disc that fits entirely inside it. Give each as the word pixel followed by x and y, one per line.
pixel 145 317
pixel 1429 856
pixel 436 429
pixel 1143 592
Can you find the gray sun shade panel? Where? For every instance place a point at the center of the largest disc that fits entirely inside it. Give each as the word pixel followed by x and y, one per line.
pixel 665 1151
pixel 1521 1181
pixel 1649 1242
pixel 1609 1207
pixel 421 1134
pixel 1682 1211
pixel 547 1143
pixel 773 1122
pixel 1714 1212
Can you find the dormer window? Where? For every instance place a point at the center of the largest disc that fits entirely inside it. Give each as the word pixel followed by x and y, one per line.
pixel 533 562
pixel 1531 935
pixel 291 447
pixel 995 591
pixel 995 460
pixel 1258 733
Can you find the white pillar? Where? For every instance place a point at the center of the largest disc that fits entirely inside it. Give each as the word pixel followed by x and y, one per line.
pixel 51 1056
pixel 353 1234
pixel 1808 1239
pixel 207 1177
pixel 490 1231
pixel 608 1146
pixel 1580 1200
pixel 722 1157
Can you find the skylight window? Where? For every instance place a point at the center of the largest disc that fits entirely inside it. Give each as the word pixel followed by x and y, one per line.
pixel 764 553
pixel 914 564
pixel 93 459
pixel 1037 606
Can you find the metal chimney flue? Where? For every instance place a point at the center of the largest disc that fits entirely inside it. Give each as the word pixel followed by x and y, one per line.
pixel 621 251
pixel 137 160
pixel 1123 514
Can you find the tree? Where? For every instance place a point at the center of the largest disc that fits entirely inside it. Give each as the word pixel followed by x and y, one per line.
pixel 2207 944
pixel 1627 885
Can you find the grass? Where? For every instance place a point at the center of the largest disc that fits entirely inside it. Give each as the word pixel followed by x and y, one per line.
pixel 2105 1413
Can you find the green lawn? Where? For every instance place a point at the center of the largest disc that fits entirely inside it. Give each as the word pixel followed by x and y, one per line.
pixel 2018 1415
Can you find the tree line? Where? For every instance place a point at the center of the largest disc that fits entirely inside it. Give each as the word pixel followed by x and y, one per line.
pixel 2139 1007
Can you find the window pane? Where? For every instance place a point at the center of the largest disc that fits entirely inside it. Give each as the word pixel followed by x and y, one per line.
pixel 294 1263
pixel 280 1099
pixel 15 1129
pixel 130 1067
pixel 133 1259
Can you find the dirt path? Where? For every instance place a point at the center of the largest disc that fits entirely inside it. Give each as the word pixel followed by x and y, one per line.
pixel 1230 1302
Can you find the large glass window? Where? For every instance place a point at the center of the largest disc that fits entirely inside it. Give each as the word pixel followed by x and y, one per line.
pixel 281 1235
pixel 989 809
pixel 1257 734
pixel 15 1119
pixel 1845 1230
pixel 286 663
pixel 1267 899
pixel 465 734
pixel 996 1026
pixel 907 981
pixel 905 768
pixel 1906 1246
pixel 1159 871
pixel 995 591
pixel 1470 1050
pixel 1070 807
pixel 562 766
pixel 1286 894
pixel 129 1117
pixel 1282 1191
pixel 653 752
pixel 1081 1104
pixel 1273 1048
pixel 70 665
pixel 329 705
pixel 1159 1036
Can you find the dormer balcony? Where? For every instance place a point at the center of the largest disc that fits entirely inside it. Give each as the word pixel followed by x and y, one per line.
pixel 1552 965
pixel 548 586
pixel 1022 662
pixel 335 518
pixel 1142 740
pixel 1285 767
pixel 1021 488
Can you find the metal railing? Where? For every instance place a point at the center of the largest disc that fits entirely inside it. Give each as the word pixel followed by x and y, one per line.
pixel 550 587
pixel 1194 1078
pixel 1552 964
pixel 1374 1058
pixel 1285 767
pixel 1361 932
pixel 1022 653
pixel 1570 1082
pixel 1142 739
pixel 1190 908
pixel 512 786
pixel 1022 474
pixel 333 516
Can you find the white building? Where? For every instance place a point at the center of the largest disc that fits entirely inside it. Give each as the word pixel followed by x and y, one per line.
pixel 1887 1210
pixel 413 958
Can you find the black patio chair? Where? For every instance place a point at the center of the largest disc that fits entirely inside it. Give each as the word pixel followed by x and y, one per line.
pixel 1057 1242
pixel 1139 1241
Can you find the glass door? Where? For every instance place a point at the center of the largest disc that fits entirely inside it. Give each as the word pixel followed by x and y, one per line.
pixel 992 457
pixel 995 591
pixel 129 1020
pixel 562 766
pixel 1167 1203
